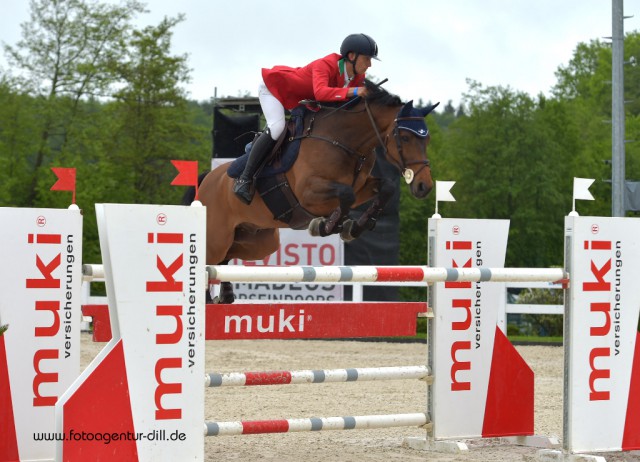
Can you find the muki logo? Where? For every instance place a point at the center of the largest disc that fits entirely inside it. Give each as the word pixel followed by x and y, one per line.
pixel 168 248
pixel 44 287
pixel 599 290
pixel 41 221
pixel 283 322
pixel 462 251
pixel 161 219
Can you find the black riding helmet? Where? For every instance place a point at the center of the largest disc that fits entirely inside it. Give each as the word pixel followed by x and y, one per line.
pixel 360 44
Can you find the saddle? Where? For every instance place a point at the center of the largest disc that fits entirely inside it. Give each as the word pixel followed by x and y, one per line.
pixel 270 180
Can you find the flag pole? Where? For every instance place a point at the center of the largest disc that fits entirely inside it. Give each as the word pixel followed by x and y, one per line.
pixel 581 191
pixel 443 193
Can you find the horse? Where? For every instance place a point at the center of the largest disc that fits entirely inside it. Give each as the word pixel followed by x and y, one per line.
pixel 331 175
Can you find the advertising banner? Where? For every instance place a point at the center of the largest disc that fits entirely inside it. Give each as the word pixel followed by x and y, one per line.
pixel 40 280
pixel 297 248
pixel 141 398
pixel 602 350
pixel 487 388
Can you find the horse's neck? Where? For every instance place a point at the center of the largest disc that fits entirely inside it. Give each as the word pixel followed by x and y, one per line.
pixel 356 127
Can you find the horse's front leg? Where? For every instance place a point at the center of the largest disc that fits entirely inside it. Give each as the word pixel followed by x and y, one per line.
pixel 225 295
pixel 383 190
pixel 333 223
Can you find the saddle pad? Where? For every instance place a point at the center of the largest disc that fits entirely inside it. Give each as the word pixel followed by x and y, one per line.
pixel 286 155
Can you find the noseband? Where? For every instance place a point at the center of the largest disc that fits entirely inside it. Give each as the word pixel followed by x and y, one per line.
pixel 402 164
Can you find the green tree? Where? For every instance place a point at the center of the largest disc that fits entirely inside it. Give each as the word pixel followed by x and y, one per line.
pixel 154 121
pixel 66 54
pixel 148 123
pixel 584 84
pixel 510 162
pixel 18 122
pixel 543 324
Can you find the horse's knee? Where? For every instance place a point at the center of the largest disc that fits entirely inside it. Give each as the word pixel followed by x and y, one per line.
pixel 386 189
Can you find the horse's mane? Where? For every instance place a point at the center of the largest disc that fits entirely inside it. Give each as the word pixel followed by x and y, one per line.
pixel 378 95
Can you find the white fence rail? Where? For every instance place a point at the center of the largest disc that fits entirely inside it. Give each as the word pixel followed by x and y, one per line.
pixel 358 289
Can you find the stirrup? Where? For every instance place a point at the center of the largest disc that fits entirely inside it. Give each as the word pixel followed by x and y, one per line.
pixel 243 190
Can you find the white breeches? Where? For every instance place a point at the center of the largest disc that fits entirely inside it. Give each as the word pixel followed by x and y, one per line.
pixel 273 111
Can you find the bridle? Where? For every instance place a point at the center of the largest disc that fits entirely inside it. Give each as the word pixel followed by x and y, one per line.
pixel 402 165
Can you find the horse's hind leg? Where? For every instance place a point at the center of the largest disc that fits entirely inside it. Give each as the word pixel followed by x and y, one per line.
pixel 333 224
pixel 367 221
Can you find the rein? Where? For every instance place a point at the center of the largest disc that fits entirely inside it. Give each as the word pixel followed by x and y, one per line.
pixel 360 158
pixel 402 165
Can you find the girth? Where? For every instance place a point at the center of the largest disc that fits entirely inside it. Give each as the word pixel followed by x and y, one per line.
pixel 279 198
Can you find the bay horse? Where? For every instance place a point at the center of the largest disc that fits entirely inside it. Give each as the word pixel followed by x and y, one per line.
pixel 331 175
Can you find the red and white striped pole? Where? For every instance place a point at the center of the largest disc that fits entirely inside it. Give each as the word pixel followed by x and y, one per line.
pixel 252 427
pixel 236 273
pixel 364 374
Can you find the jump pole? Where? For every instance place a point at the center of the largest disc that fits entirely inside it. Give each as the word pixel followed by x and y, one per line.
pixel 347 274
pixel 365 374
pixel 316 424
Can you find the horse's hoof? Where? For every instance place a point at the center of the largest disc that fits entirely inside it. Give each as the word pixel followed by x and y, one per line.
pixel 347 227
pixel 314 226
pixel 217 300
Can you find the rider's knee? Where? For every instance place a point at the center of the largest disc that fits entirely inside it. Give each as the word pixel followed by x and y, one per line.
pixel 276 128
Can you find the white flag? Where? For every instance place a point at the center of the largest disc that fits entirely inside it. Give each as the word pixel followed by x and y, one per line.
pixel 443 191
pixel 581 188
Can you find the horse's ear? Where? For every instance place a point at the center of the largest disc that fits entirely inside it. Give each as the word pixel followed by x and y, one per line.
pixel 407 109
pixel 427 110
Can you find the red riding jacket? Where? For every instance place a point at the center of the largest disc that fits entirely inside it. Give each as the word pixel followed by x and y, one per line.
pixel 321 80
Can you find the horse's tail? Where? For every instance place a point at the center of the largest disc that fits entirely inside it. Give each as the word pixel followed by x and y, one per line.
pixel 190 194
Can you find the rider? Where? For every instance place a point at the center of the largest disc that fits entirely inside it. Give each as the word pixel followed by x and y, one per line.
pixel 336 77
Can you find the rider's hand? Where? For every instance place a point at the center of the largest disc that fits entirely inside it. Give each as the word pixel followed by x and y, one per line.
pixel 362 91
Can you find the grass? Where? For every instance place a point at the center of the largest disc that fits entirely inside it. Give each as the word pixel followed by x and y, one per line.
pixel 534 339
pixel 523 339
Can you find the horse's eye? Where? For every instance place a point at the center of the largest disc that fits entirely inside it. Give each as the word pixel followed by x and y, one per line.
pixel 405 138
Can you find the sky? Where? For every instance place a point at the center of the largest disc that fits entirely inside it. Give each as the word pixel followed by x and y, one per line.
pixel 428 49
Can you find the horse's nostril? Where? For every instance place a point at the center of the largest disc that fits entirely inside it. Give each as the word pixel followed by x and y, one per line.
pixel 422 189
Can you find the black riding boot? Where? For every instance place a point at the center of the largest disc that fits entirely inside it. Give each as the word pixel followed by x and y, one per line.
pixel 242 187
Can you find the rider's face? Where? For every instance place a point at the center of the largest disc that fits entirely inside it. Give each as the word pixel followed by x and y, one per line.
pixel 362 63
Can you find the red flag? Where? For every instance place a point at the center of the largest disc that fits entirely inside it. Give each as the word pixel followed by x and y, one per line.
pixel 66 180
pixel 187 174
